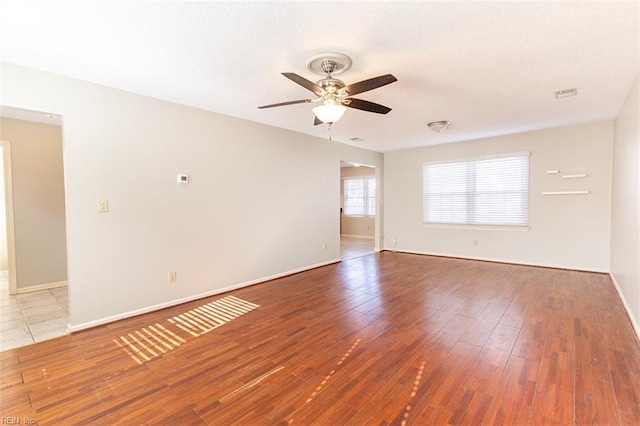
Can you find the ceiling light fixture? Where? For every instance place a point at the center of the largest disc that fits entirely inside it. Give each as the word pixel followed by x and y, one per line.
pixel 329 112
pixel 439 126
pixel 333 93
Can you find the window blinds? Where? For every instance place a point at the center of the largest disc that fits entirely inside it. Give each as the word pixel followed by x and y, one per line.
pixel 491 190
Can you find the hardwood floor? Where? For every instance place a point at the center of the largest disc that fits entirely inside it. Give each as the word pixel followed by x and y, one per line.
pixel 387 338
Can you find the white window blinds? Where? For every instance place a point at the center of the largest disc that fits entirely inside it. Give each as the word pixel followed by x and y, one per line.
pixel 360 196
pixel 492 190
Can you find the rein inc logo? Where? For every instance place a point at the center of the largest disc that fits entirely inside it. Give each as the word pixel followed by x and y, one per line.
pixel 17 421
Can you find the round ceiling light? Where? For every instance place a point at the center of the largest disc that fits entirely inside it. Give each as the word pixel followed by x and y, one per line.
pixel 439 126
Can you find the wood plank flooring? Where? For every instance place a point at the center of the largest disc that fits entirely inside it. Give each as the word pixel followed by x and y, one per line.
pixel 387 338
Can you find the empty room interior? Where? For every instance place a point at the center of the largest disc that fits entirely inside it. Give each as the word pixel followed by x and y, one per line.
pixel 320 213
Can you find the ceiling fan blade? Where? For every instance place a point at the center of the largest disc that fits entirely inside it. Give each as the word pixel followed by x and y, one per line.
pixel 316 121
pixel 303 82
pixel 301 101
pixel 366 106
pixel 370 84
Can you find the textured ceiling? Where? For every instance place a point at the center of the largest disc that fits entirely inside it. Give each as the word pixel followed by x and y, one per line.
pixel 489 68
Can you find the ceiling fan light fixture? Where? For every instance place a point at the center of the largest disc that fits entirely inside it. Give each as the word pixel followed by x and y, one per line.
pixel 439 126
pixel 329 112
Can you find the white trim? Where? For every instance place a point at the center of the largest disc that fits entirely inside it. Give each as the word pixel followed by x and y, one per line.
pixel 9 208
pixel 365 237
pixel 40 287
pixel 633 320
pixel 101 321
pixel 487 259
pixel 580 175
pixel 564 192
pixel 479 158
pixel 477 227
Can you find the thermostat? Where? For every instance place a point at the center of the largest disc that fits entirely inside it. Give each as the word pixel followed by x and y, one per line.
pixel 183 178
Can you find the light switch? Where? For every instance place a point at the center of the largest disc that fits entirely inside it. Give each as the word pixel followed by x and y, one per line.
pixel 103 206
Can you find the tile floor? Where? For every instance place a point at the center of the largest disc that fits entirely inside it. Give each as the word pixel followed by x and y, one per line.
pixel 352 247
pixel 31 317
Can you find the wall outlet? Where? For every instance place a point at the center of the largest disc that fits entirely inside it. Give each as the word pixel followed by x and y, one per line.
pixel 325 247
pixel 172 276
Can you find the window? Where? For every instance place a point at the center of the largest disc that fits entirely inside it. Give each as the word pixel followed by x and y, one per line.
pixel 492 190
pixel 360 196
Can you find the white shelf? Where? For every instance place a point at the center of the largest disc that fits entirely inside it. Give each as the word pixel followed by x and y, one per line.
pixel 565 192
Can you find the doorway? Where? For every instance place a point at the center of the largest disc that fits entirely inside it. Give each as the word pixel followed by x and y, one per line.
pixel 33 278
pixel 358 189
pixel 7 243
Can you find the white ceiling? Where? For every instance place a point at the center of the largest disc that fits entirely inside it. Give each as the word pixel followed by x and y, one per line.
pixel 490 68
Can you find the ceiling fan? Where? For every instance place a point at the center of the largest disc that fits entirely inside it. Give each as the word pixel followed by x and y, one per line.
pixel 333 94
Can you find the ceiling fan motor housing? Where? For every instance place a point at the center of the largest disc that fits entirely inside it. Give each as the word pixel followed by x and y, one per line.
pixel 331 84
pixel 328 66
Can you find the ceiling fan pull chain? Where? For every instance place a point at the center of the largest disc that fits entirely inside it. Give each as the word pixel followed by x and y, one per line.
pixel 329 128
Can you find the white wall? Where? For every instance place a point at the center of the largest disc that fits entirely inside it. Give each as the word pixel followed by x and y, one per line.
pixel 262 201
pixel 356 226
pixel 565 231
pixel 38 202
pixel 625 207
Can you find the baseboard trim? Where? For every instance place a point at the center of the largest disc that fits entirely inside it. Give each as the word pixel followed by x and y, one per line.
pixel 487 259
pixel 632 318
pixel 40 287
pixel 83 326
pixel 364 237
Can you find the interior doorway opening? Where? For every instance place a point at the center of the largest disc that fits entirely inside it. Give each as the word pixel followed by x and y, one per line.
pixel 358 209
pixel 33 255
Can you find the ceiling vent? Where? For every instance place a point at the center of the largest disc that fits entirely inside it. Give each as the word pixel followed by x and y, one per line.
pixel 566 93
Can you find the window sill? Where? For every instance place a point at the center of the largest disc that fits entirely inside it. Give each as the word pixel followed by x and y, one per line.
pixel 477 227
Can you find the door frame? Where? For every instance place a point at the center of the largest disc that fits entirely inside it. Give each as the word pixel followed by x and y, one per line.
pixel 377 226
pixel 9 213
